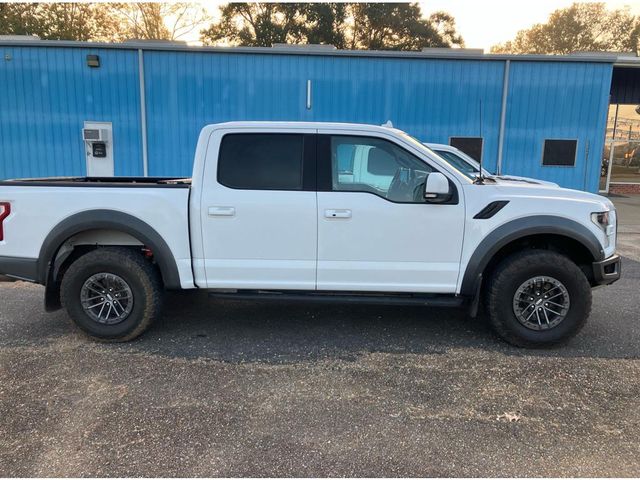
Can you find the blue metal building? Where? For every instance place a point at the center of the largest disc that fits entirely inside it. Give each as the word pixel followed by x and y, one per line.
pixel 157 96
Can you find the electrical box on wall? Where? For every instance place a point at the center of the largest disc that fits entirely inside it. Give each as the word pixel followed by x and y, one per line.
pixel 95 134
pixel 98 142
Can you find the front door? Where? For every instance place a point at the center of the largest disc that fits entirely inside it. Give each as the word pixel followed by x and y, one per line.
pixel 375 230
pixel 258 211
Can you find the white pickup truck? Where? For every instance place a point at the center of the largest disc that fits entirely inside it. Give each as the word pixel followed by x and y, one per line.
pixel 314 211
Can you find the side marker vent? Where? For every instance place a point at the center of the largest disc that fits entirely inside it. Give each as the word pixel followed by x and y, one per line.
pixel 491 209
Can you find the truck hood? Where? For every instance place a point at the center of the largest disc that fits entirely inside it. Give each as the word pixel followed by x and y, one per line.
pixel 526 188
pixel 533 181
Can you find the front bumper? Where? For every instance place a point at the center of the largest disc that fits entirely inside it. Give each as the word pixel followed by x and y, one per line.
pixel 607 271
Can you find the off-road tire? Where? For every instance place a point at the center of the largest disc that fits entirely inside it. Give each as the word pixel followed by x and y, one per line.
pixel 142 277
pixel 518 268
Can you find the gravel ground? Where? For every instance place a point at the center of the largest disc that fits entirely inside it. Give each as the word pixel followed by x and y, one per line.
pixel 261 389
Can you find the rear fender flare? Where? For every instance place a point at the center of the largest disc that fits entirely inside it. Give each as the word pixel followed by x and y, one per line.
pixel 108 220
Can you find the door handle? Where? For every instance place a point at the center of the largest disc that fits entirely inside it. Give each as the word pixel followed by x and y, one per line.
pixel 222 211
pixel 337 213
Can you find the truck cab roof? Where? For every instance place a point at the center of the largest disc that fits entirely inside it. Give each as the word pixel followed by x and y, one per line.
pixel 305 125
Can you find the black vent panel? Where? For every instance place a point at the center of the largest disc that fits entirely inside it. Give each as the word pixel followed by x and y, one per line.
pixel 491 209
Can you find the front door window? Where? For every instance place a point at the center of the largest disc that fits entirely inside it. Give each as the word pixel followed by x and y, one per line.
pixel 374 165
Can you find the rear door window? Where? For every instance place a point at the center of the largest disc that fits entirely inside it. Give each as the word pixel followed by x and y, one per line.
pixel 261 161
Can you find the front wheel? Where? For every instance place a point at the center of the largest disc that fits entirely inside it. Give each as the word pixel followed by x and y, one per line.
pixel 112 294
pixel 537 298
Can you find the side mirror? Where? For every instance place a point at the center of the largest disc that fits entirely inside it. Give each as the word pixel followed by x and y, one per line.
pixel 436 188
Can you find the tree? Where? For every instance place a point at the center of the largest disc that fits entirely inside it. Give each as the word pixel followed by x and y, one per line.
pixel 100 21
pixel 324 23
pixel 399 26
pixel 380 26
pixel 445 25
pixel 158 21
pixel 580 27
pixel 58 21
pixel 254 24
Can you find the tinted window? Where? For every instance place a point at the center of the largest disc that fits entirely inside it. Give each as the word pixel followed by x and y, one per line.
pixel 456 161
pixel 472 146
pixel 261 161
pixel 381 162
pixel 379 167
pixel 560 153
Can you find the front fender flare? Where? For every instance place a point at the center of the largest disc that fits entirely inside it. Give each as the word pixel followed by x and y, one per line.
pixel 520 228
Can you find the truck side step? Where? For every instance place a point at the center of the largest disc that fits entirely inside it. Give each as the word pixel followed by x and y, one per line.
pixel 342 297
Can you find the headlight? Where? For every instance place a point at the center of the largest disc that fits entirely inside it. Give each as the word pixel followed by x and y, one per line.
pixel 606 221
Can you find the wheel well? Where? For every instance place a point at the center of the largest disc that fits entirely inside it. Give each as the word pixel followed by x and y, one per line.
pixel 567 246
pixel 80 244
pixel 102 236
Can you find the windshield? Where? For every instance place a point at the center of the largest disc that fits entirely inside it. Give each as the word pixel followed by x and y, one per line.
pixel 457 162
pixel 462 162
pixel 422 146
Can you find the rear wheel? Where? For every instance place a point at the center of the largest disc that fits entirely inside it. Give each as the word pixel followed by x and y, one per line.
pixel 112 294
pixel 537 298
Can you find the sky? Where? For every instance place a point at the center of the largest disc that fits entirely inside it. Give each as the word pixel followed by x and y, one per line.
pixel 484 23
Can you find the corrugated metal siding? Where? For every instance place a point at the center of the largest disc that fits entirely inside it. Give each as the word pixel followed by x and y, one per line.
pixel 186 91
pixel 49 92
pixel 556 101
pixel 47 95
pixel 432 99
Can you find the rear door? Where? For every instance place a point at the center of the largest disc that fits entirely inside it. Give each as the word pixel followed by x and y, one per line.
pixel 258 210
pixel 376 232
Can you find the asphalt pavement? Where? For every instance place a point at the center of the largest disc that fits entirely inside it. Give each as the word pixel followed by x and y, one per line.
pixel 226 388
pixel 628 208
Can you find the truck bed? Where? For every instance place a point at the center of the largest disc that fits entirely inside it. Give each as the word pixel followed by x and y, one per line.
pixel 100 182
pixel 40 206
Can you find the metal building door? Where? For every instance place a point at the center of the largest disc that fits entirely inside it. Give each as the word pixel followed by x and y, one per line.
pixel 98 143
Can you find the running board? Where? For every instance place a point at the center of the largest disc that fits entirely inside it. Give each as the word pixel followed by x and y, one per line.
pixel 349 298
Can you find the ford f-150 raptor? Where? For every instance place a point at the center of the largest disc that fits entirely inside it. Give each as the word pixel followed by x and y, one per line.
pixel 314 211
